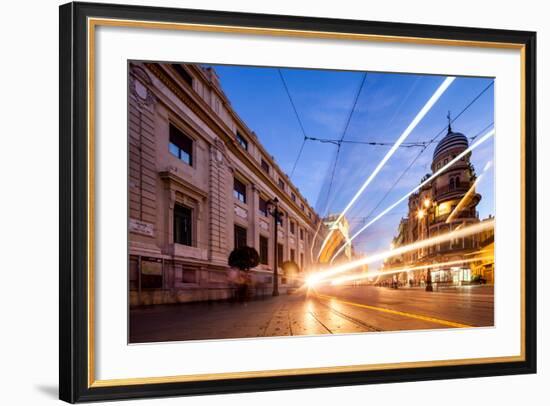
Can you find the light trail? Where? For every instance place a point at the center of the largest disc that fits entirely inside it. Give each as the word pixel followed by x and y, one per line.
pixel 430 319
pixel 468 196
pixel 427 107
pixel 314 239
pixel 464 232
pixel 437 173
pixel 367 275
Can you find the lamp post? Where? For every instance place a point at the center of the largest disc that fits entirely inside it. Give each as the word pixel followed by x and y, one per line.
pixel 273 208
pixel 421 213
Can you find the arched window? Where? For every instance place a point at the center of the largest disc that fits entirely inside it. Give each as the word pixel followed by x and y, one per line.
pixel 457 182
pixel 452 183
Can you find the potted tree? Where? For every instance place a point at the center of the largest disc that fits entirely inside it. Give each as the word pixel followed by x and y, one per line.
pixel 244 258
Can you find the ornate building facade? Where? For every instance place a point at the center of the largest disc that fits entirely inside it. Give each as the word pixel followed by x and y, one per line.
pixel 445 204
pixel 199 186
pixel 337 237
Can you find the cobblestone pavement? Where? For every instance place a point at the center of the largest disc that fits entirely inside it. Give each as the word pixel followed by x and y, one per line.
pixel 334 310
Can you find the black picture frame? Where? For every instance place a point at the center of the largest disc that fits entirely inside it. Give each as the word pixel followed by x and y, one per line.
pixel 74 201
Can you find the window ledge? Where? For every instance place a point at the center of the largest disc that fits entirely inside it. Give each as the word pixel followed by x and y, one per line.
pixel 180 250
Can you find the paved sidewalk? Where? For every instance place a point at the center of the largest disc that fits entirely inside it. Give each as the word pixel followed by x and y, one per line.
pixel 331 310
pixel 285 315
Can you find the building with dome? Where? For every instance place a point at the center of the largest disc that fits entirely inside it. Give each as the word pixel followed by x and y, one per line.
pixel 445 204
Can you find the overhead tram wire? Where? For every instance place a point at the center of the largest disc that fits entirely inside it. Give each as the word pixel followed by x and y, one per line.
pixel 292 102
pixel 327 202
pixel 416 188
pixel 298 158
pixel 410 128
pixel 305 137
pixel 374 143
pixel 339 143
pixel 430 142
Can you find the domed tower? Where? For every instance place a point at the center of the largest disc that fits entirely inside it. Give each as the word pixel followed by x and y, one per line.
pixel 446 203
pixel 451 186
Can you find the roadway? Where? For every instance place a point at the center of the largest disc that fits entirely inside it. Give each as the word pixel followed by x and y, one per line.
pixel 326 310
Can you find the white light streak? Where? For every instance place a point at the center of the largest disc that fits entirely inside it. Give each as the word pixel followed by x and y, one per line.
pixel 464 232
pixel 427 107
pixel 437 173
pixel 468 196
pixel 355 277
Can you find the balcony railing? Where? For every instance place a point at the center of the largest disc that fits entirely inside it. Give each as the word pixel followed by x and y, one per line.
pixel 459 188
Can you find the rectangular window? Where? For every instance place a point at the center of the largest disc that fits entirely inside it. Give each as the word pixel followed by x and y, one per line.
pixel 292 227
pixel 182 72
pixel 263 207
pixel 292 255
pixel 293 196
pixel 181 146
pixel 239 190
pixel 264 244
pixel 240 236
pixel 301 234
pixel 302 206
pixel 242 141
pixel 280 258
pixel 281 184
pixel 301 261
pixel 183 230
pixel 265 166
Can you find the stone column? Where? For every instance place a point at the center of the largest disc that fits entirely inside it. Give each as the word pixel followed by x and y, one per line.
pixel 217 205
pixel 253 238
pixel 286 248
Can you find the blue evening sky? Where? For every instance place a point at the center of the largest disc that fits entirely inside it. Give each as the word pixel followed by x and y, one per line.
pixel 386 105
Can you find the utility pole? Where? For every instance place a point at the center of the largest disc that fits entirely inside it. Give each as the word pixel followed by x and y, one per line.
pixel 273 207
pixel 428 204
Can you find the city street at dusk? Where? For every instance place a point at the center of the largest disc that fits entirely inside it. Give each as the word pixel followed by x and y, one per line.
pixel 305 202
pixel 331 310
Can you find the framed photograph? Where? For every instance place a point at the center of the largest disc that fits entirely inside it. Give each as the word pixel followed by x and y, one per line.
pixel 257 202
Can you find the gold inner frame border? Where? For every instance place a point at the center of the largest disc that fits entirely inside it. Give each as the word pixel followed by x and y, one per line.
pixel 94 22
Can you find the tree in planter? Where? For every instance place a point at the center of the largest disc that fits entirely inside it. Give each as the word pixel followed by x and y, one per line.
pixel 244 259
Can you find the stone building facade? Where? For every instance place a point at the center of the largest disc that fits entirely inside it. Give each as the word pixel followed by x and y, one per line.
pixel 199 183
pixel 445 204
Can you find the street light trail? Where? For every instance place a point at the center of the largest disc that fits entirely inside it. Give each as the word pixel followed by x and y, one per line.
pixel 427 107
pixel 367 275
pixel 314 239
pixel 468 196
pixel 447 323
pixel 437 173
pixel 464 232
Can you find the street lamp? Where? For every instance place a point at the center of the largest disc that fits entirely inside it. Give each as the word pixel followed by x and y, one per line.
pixel 273 209
pixel 421 214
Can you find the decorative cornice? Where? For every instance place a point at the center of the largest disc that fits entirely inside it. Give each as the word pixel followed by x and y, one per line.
pixel 206 114
pixel 171 176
